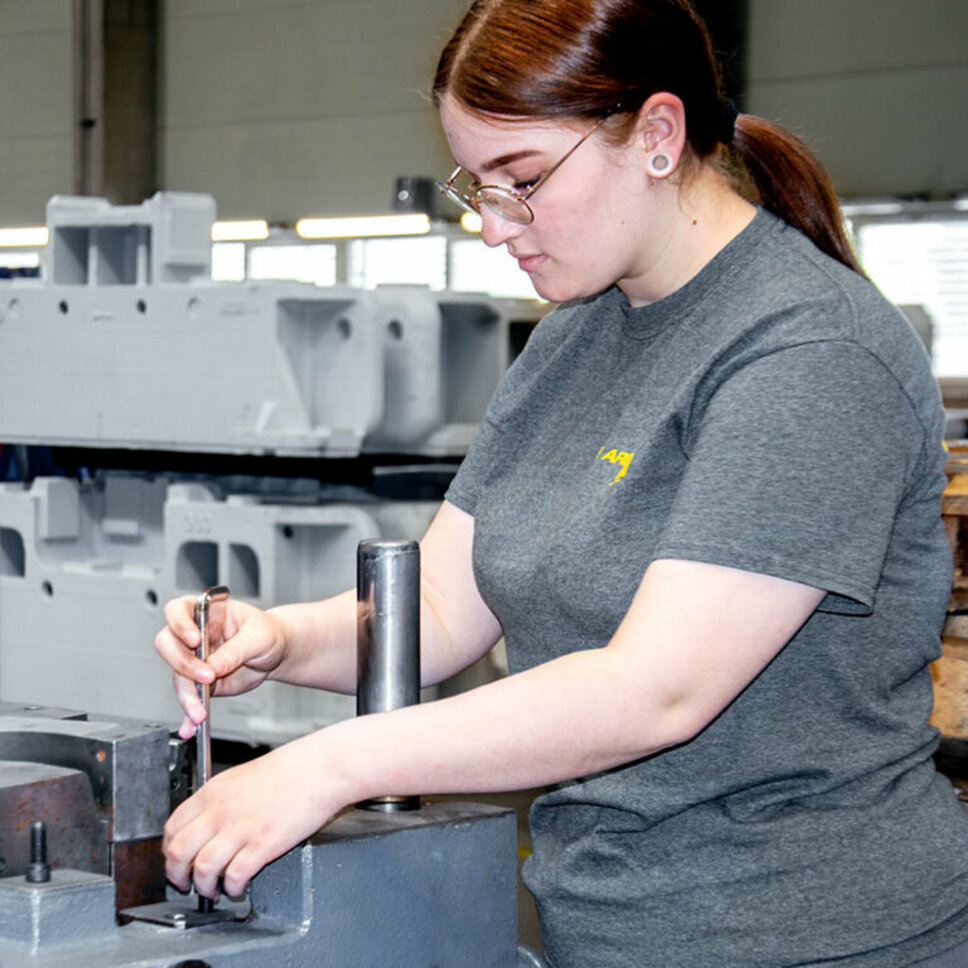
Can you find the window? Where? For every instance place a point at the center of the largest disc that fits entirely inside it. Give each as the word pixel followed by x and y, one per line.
pixel 418 261
pixel 476 268
pixel 923 260
pixel 300 263
pixel 228 261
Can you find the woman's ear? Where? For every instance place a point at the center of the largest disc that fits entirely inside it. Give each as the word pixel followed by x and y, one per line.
pixel 660 131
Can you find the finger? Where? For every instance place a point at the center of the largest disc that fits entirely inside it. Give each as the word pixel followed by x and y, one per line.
pixel 186 832
pixel 242 868
pixel 180 618
pixel 186 691
pixel 175 653
pixel 213 858
pixel 187 694
pixel 251 642
pixel 187 729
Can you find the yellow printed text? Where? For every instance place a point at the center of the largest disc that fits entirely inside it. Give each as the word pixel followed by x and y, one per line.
pixel 614 456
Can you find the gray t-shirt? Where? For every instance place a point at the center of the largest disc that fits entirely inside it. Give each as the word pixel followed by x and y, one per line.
pixel 777 415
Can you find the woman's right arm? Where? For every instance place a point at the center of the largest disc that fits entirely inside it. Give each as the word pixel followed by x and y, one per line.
pixel 314 643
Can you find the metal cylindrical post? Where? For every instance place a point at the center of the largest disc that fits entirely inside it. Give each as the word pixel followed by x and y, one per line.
pixel 38 872
pixel 388 636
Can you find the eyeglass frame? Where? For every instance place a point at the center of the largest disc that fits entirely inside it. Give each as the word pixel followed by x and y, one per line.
pixel 472 203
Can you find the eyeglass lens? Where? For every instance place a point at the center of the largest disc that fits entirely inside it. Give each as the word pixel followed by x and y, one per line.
pixel 494 198
pixel 506 205
pixel 457 196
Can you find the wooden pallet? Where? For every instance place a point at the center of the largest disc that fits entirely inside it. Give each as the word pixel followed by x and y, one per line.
pixel 950 673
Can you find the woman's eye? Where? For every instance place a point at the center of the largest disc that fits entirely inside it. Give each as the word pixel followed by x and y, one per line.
pixel 523 186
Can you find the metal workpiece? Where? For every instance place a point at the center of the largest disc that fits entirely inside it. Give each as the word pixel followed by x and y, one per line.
pixel 77 835
pixel 85 569
pixel 388 636
pixel 125 762
pixel 166 239
pixel 103 791
pixel 128 317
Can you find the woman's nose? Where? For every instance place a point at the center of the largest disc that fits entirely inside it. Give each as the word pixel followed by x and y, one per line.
pixel 496 230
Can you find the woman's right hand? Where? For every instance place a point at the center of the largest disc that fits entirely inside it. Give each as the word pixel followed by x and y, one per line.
pixel 254 645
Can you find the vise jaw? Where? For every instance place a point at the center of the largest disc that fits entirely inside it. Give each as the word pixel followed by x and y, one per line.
pixel 103 789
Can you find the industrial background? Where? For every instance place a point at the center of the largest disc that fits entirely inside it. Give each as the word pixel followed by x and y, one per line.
pixel 288 108
pixel 348 389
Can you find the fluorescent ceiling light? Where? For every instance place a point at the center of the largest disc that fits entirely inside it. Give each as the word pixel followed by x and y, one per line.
pixel 240 230
pixel 872 208
pixel 471 222
pixel 363 226
pixel 27 236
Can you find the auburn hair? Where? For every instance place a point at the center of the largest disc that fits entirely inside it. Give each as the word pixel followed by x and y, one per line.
pixel 584 59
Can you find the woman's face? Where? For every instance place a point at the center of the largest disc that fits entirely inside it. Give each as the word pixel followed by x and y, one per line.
pixel 593 218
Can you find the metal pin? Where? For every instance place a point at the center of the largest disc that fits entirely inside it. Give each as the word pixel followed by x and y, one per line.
pixel 388 637
pixel 211 628
pixel 210 619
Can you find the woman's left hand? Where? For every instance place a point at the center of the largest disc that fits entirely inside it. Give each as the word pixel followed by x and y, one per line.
pixel 246 817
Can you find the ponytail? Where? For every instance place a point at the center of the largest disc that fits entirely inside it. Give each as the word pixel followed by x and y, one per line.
pixel 788 180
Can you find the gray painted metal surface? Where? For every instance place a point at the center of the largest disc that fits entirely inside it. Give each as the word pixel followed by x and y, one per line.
pixel 128 343
pixel 85 570
pixel 435 887
pixel 73 907
pixel 431 887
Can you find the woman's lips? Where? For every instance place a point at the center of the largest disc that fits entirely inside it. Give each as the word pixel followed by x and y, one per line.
pixel 530 262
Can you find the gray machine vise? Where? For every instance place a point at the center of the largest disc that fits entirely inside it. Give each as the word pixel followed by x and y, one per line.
pixel 428 888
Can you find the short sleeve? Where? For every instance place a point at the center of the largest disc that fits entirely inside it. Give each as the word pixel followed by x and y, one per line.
pixel 514 392
pixel 487 446
pixel 465 489
pixel 797 464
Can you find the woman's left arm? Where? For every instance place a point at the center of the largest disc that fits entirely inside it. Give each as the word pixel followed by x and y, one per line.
pixel 694 637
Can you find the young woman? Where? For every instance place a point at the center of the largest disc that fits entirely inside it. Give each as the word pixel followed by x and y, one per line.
pixel 703 509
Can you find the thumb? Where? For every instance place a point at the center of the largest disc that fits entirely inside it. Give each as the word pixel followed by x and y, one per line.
pixel 250 642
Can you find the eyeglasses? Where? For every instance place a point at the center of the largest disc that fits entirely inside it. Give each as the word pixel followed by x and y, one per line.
pixel 506 202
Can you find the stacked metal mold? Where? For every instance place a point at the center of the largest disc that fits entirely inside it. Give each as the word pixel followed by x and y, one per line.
pixel 129 343
pixel 127 346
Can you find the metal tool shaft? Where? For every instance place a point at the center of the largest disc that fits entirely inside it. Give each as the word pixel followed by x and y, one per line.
pixel 388 636
pixel 212 629
pixel 204 620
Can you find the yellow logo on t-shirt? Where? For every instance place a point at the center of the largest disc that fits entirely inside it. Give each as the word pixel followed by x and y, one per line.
pixel 615 456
